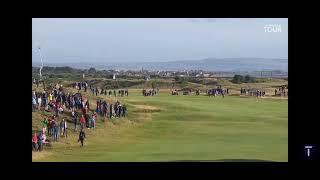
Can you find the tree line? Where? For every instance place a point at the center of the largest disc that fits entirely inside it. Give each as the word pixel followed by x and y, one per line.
pixel 243 79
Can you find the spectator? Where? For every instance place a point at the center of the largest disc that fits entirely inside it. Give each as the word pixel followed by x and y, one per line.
pixel 39 140
pixel 44 125
pixel 82 136
pixel 93 121
pixel 75 120
pixel 39 102
pixel 65 133
pixel 34 103
pixel 55 132
pixel 35 142
pixel 82 121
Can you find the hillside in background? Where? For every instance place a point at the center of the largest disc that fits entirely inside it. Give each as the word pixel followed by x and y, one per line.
pixel 209 64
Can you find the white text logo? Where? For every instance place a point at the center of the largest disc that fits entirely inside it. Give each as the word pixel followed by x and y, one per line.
pixel 272 28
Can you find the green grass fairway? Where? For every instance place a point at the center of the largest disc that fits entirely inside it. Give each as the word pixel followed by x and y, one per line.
pixel 179 128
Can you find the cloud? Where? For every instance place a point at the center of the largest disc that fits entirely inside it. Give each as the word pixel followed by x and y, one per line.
pixel 213 20
pixel 200 20
pixel 210 19
pixel 193 20
pixel 247 18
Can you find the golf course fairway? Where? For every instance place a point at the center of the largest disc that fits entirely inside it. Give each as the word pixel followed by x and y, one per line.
pixel 178 128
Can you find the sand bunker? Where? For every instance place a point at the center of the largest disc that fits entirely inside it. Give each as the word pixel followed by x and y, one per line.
pixel 147 107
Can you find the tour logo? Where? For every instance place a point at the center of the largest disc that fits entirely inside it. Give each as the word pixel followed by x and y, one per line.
pixel 272 28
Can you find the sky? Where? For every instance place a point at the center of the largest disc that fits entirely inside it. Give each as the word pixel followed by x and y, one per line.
pixel 156 39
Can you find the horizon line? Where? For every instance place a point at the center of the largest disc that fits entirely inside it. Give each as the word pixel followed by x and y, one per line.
pixel 155 61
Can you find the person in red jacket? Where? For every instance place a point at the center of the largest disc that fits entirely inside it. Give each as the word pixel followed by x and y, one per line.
pixel 35 142
pixel 82 121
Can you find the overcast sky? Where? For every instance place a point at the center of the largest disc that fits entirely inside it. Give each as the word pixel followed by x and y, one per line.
pixel 136 40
